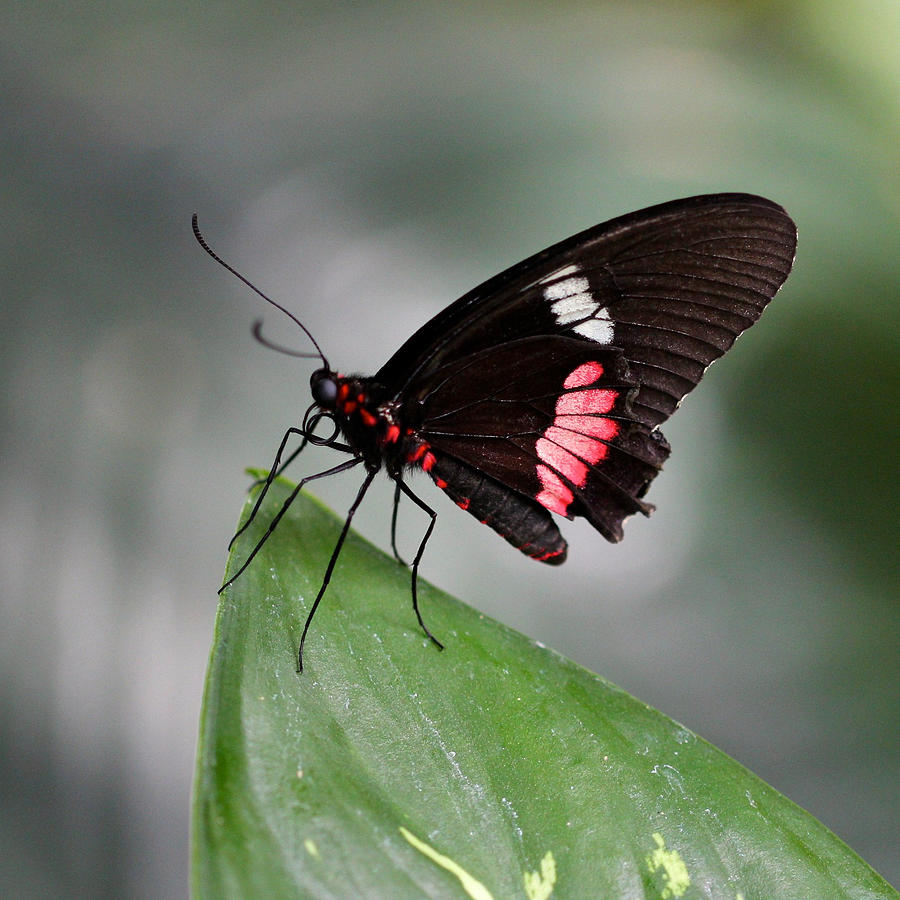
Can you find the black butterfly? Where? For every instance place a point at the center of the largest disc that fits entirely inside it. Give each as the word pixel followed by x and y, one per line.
pixel 541 391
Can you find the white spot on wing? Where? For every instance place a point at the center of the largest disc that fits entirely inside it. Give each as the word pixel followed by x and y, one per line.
pixel 598 329
pixel 571 302
pixel 568 287
pixel 573 309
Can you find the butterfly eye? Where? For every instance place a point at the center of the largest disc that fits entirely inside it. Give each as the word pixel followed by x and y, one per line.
pixel 324 388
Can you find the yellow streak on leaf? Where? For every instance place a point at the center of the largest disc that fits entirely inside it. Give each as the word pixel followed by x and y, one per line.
pixel 474 888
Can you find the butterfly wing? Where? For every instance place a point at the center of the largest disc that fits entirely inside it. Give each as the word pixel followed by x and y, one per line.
pixel 551 378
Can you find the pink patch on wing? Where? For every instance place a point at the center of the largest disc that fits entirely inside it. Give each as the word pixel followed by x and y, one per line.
pixel 555 496
pixel 585 403
pixel 576 439
pixel 563 461
pixel 585 374
pixel 583 446
pixel 593 426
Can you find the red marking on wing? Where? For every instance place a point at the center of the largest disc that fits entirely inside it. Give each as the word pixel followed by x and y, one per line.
pixel 575 440
pixel 563 461
pixel 585 403
pixel 584 375
pixel 428 461
pixel 464 503
pixel 594 426
pixel 555 496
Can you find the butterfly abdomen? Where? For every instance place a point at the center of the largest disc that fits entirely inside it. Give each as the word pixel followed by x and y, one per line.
pixel 517 518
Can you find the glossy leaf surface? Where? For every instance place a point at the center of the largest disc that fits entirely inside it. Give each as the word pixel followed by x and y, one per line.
pixel 496 768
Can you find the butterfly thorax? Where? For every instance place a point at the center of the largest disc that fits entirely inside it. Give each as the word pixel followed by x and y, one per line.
pixel 372 423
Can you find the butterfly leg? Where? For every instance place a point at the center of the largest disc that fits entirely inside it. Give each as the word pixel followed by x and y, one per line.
pixel 334 557
pixel 415 566
pixel 397 555
pixel 266 482
pixel 278 469
pixel 342 467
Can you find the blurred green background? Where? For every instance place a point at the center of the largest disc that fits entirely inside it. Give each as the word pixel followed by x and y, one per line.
pixel 366 164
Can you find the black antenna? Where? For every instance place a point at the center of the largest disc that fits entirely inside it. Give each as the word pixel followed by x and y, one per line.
pixel 202 242
pixel 257 333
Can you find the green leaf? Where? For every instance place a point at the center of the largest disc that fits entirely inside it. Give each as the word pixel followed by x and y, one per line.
pixel 495 768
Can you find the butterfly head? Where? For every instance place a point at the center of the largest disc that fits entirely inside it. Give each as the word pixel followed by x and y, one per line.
pixel 324 386
pixel 345 398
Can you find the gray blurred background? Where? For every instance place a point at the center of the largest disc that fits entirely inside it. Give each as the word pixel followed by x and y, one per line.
pixel 366 164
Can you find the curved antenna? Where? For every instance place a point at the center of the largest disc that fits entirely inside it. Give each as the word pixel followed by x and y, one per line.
pixel 257 333
pixel 202 242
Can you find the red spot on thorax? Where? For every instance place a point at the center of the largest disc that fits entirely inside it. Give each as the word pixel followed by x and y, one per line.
pixel 392 435
pixel 343 391
pixel 367 417
pixel 422 454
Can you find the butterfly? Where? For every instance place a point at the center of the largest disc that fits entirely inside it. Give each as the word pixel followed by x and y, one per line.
pixel 541 391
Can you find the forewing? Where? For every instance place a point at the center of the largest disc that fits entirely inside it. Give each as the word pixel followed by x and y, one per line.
pixel 672 286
